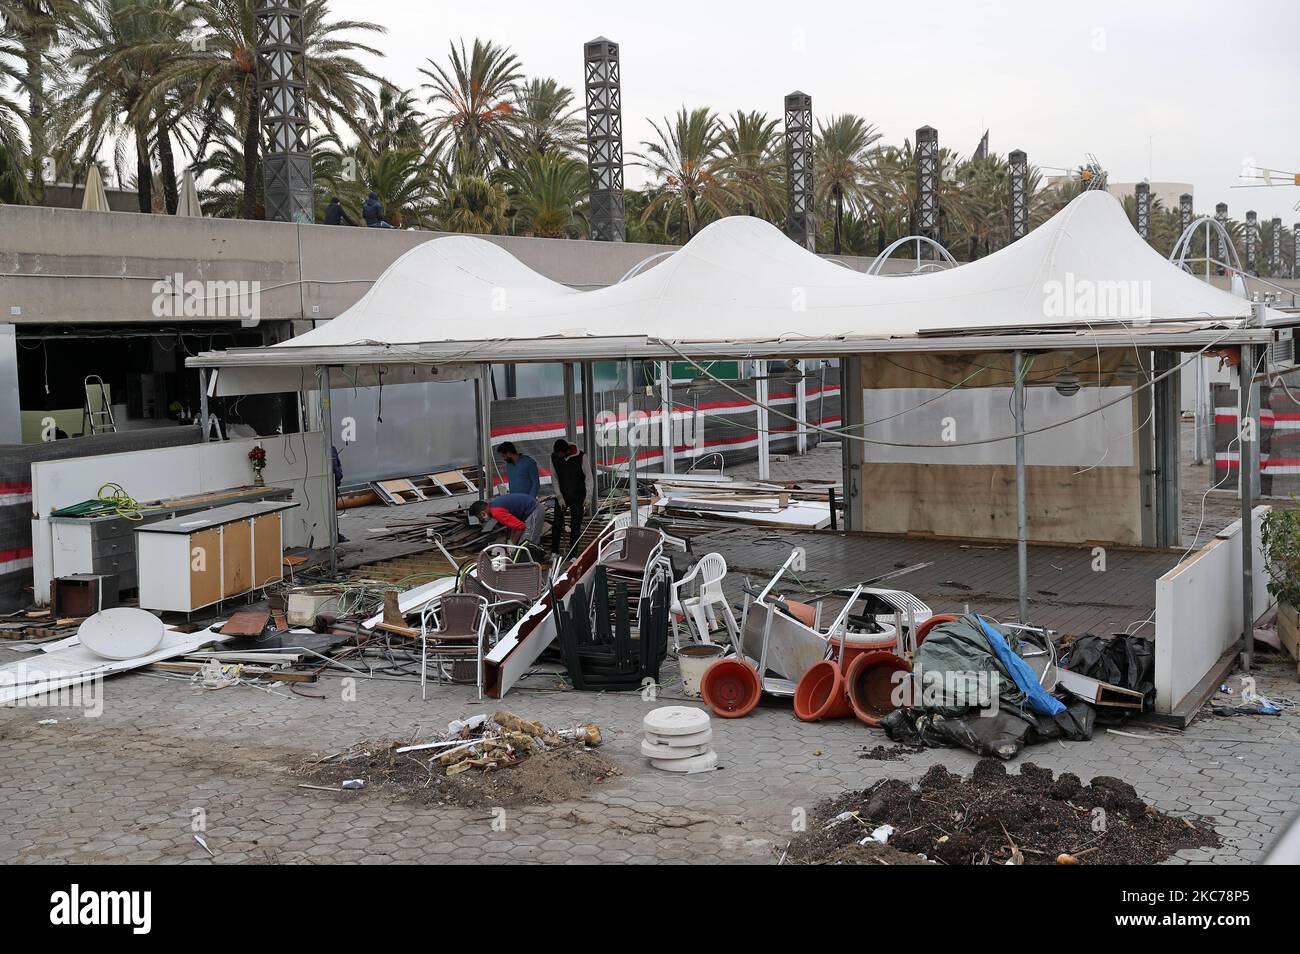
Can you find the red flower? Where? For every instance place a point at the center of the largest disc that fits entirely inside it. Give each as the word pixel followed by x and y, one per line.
pixel 257 454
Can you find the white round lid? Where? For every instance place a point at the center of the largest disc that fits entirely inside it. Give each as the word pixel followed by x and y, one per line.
pixel 675 720
pixel 122 632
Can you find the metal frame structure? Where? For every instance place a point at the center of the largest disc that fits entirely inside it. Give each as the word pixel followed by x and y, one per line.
pixel 1142 199
pixel 1018 166
pixel 1185 215
pixel 1252 228
pixel 1225 240
pixel 1295 249
pixel 603 82
pixel 921 241
pixel 927 183
pixel 801 223
pixel 286 124
pixel 1275 253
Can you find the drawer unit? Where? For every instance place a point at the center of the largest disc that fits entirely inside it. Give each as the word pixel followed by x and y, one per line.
pixel 189 562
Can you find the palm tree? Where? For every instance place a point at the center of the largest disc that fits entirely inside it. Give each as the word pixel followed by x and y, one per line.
pixel 693 181
pixel 113 58
pixel 750 145
pixel 842 165
pixel 477 120
pixel 547 119
pixel 392 120
pixel 547 191
pixel 32 29
pixel 220 75
pixel 13 184
pixel 471 203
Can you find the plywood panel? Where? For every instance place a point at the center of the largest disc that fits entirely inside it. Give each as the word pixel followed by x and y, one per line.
pixel 979 501
pixel 205 567
pixel 267 550
pixel 236 557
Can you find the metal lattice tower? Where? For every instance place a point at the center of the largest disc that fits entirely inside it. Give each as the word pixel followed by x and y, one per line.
pixel 1142 196
pixel 801 223
pixel 1185 210
pixel 286 125
pixel 1221 250
pixel 1295 249
pixel 1275 253
pixel 1019 174
pixel 604 88
pixel 1252 227
pixel 927 183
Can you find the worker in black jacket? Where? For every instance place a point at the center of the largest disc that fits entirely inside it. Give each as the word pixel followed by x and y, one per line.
pixel 335 215
pixel 570 481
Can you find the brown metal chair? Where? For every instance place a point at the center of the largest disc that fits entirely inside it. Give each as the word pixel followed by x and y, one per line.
pixel 461 624
pixel 628 552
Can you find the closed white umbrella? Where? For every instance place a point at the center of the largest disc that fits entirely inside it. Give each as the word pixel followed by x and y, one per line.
pixel 94 199
pixel 188 201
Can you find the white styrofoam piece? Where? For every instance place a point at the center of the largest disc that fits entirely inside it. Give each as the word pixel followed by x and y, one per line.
pixel 699 763
pixel 121 632
pixel 74 665
pixel 684 741
pixel 675 720
pixel 652 751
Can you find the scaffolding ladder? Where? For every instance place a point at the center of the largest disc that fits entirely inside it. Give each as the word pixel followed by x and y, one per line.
pixel 97 420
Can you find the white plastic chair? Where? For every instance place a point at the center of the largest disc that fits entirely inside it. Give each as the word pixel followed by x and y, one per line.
pixel 706 579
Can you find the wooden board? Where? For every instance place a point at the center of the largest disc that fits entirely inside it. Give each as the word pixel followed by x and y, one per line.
pixel 978 501
pixel 236 558
pixel 267 551
pixel 205 583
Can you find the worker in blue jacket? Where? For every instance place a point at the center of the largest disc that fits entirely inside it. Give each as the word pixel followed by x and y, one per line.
pixel 521 471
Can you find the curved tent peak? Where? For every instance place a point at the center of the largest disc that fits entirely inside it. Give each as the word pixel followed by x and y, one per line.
pixel 440 290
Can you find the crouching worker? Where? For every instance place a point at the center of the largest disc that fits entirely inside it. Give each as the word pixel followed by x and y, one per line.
pixel 523 516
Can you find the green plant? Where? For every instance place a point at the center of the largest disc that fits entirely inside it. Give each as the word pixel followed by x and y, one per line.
pixel 1280 537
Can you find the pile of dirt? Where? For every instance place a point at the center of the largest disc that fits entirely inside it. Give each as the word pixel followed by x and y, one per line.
pixel 995 818
pixel 501 761
pixel 554 775
pixel 889 753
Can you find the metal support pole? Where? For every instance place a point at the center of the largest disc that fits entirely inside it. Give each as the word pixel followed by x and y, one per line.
pixel 483 419
pixel 1022 548
pixel 203 402
pixel 666 441
pixel 634 492
pixel 1249 432
pixel 760 422
pixel 589 432
pixel 327 444
pixel 1167 423
pixel 852 410
pixel 570 405
pixel 801 410
pixel 1198 416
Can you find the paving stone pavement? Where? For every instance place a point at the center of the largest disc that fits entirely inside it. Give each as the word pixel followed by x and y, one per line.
pixel 129 785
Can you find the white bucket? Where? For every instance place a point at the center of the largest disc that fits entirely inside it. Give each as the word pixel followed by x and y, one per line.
pixel 693 661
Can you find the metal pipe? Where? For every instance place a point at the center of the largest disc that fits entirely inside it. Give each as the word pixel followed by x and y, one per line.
pixel 666 441
pixel 1248 428
pixel 761 420
pixel 1022 549
pixel 483 418
pixel 203 402
pixel 632 488
pixel 589 432
pixel 570 405
pixel 327 445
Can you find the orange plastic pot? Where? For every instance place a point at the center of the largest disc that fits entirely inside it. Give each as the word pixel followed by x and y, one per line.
pixel 859 643
pixel 872 685
pixel 731 688
pixel 820 694
pixel 924 629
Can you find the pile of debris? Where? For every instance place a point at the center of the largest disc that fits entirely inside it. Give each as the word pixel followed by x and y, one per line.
pixel 496 760
pixel 1033 818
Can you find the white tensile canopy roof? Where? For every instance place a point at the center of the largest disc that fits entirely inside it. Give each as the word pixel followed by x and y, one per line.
pixel 741 279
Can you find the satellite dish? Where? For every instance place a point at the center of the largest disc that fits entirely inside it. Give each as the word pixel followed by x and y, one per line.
pixel 122 632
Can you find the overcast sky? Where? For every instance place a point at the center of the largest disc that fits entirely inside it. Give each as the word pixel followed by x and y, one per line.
pixel 1172 91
